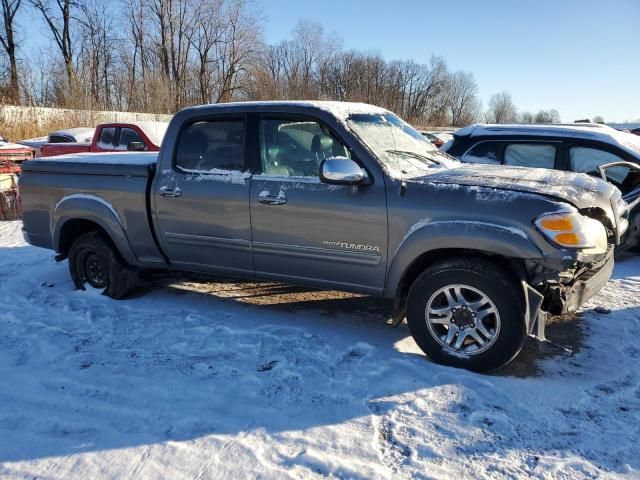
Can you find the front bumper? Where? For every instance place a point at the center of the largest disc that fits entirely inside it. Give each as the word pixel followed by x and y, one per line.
pixel 587 285
pixel 560 299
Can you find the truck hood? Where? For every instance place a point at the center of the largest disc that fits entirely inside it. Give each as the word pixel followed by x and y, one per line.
pixel 578 189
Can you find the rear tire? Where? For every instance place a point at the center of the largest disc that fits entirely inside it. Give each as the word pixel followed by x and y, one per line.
pixel 467 312
pixel 95 263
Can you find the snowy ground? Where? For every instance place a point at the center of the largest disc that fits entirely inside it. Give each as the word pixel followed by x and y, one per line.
pixel 240 380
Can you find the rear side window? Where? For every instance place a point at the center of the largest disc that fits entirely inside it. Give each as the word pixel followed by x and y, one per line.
pixel 484 152
pixel 107 136
pixel 128 135
pixel 209 146
pixel 59 139
pixel 537 155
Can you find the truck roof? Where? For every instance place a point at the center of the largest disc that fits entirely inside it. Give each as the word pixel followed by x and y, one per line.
pixel 154 130
pixel 585 131
pixel 340 110
pixel 82 134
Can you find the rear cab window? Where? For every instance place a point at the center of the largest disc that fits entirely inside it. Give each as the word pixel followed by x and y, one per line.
pixel 212 146
pixel 107 138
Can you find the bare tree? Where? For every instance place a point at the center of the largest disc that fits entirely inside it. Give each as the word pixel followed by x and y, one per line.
pixel 547 116
pixel 526 117
pixel 462 100
pixel 209 31
pixel 7 39
pixel 501 109
pixel 598 119
pixel 58 16
pixel 96 59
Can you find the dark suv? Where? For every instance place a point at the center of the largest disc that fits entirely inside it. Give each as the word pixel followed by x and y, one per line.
pixel 577 148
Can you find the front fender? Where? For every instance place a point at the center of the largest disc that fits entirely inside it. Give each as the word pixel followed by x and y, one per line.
pixel 94 209
pixel 428 237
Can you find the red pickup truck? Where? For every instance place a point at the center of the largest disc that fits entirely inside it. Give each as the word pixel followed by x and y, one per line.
pixel 12 155
pixel 110 137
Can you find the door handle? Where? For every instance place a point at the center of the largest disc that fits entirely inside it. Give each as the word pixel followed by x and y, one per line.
pixel 268 199
pixel 170 192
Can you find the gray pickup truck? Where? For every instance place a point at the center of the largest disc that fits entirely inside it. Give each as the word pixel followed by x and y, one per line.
pixel 341 196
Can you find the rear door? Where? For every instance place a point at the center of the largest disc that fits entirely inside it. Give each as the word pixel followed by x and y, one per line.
pixel 202 201
pixel 306 231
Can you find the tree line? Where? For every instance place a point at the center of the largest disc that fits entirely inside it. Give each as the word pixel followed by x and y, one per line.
pixel 158 56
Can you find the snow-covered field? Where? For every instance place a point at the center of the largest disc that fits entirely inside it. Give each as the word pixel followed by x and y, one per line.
pixel 243 380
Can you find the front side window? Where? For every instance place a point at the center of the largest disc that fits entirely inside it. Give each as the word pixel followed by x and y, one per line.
pixel 483 152
pixel 210 146
pixel 537 155
pixel 296 148
pixel 107 136
pixel 127 135
pixel 587 160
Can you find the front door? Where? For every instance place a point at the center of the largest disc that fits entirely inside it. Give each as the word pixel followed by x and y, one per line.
pixel 202 202
pixel 306 231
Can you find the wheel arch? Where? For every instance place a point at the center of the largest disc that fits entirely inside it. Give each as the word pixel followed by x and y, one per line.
pixel 504 246
pixel 513 266
pixel 76 215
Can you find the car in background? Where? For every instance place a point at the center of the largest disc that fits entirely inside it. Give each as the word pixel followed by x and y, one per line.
pixel 437 138
pixel 112 137
pixel 72 135
pixel 433 139
pixel 12 155
pixel 579 148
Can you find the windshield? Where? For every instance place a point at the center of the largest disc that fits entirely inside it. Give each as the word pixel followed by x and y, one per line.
pixel 400 148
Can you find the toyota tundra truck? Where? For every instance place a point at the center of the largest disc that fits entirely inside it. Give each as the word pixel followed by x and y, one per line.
pixel 340 196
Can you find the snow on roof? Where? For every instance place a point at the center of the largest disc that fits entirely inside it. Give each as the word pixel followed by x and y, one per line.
pixel 134 158
pixel 82 134
pixel 341 110
pixel 154 130
pixel 586 131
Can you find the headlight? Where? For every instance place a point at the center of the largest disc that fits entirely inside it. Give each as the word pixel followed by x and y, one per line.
pixel 572 230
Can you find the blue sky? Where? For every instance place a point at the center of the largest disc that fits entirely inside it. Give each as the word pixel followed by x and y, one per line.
pixel 580 57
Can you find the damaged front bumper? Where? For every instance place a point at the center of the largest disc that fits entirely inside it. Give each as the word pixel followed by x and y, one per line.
pixel 565 295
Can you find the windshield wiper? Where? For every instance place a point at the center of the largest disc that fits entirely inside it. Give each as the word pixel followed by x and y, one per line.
pixel 414 155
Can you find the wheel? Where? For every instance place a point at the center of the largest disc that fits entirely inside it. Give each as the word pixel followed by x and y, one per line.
pixel 95 263
pixel 467 312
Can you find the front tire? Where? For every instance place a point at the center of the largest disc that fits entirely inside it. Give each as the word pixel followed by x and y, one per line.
pixel 468 313
pixel 94 263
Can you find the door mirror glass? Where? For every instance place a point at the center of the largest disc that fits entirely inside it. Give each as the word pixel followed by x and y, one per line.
pixel 135 146
pixel 341 171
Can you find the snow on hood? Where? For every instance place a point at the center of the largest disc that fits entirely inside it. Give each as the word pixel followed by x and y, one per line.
pixel 579 189
pixel 13 146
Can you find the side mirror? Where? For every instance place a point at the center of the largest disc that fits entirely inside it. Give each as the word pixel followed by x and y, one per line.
pixel 135 146
pixel 341 171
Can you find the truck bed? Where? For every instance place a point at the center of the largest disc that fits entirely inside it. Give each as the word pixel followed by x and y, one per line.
pixel 52 188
